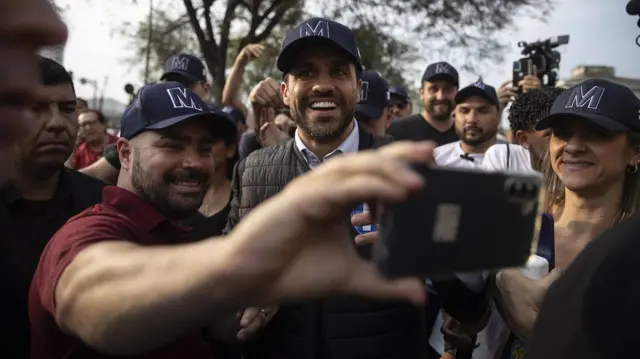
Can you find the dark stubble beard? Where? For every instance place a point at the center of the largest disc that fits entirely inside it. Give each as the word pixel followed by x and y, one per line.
pixel 431 110
pixel 156 192
pixel 323 129
pixel 484 137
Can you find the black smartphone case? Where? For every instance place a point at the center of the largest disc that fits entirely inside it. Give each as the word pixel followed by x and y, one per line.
pixel 462 220
pixel 521 68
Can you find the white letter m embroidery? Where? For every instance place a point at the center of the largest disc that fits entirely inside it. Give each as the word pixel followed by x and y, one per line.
pixel 579 98
pixel 321 29
pixel 180 99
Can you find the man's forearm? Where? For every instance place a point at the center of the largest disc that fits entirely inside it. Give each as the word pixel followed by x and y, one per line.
pixel 124 299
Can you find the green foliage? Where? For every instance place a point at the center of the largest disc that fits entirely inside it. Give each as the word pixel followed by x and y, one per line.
pixel 393 35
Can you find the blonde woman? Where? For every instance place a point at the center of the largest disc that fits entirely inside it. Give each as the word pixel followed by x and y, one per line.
pixel 592 183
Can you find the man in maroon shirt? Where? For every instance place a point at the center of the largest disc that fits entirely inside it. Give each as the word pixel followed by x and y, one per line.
pixel 93 130
pixel 119 280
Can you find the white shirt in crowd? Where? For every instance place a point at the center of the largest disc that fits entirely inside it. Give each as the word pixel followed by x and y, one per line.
pixel 451 155
pixel 507 158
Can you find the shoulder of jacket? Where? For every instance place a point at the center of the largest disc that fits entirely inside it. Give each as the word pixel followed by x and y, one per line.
pixel 269 154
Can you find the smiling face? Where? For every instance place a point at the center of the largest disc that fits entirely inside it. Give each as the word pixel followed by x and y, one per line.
pixel 587 157
pixel 170 169
pixel 322 91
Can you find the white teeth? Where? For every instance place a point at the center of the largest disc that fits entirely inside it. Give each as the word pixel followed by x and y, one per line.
pixel 322 105
pixel 190 184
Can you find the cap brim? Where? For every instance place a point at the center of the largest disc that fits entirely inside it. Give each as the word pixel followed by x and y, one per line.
pixel 602 121
pixel 399 94
pixel 370 111
pixel 445 77
pixel 220 124
pixel 184 74
pixel 285 59
pixel 472 91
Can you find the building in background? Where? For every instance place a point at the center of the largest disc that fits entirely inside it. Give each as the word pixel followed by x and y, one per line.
pixel 581 73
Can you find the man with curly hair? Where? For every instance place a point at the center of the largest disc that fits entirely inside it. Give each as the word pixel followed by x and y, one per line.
pixel 525 112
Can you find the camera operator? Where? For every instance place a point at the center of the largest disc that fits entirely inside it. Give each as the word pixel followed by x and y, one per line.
pixel 508 92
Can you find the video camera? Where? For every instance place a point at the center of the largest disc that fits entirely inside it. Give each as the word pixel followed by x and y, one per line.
pixel 633 9
pixel 542 55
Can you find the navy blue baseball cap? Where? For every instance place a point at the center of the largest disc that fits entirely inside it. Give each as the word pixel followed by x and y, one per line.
pixel 479 89
pixel 187 66
pixel 374 95
pixel 612 106
pixel 162 105
pixel 441 70
pixel 235 114
pixel 318 31
pixel 399 92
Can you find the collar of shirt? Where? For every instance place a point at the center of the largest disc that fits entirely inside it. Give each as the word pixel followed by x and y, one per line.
pixel 451 155
pixel 349 145
pixel 141 212
pixel 10 195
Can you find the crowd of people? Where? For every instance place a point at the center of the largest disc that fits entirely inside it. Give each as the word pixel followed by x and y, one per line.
pixel 223 231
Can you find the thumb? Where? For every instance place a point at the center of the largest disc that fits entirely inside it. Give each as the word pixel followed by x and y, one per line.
pixel 504 84
pixel 552 276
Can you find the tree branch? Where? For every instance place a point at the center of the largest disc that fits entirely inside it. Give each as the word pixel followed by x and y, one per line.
pixel 225 28
pixel 193 19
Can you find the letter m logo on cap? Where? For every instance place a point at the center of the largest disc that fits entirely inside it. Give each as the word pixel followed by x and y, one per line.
pixel 591 98
pixel 180 63
pixel 320 29
pixel 180 99
pixel 364 91
pixel 442 68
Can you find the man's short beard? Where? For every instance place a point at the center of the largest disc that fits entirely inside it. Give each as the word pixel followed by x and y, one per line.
pixel 442 117
pixel 485 136
pixel 324 132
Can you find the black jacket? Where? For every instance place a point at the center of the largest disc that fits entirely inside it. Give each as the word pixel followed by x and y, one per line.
pixel 336 328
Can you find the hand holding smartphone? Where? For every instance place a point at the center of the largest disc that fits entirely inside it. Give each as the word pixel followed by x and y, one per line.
pixel 461 221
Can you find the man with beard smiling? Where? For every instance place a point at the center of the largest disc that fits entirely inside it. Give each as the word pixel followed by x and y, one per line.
pixel 439 88
pixel 322 85
pixel 39 199
pixel 477 116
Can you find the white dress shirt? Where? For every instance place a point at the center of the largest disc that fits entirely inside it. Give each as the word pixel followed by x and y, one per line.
pixel 349 145
pixel 451 155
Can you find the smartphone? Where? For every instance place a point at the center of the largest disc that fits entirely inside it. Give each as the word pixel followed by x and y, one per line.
pixel 462 220
pixel 521 68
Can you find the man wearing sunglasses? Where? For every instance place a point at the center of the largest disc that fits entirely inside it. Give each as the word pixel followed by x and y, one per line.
pixel 400 104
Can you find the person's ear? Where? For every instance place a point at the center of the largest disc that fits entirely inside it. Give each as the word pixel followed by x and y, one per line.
pixel 284 90
pixel 125 153
pixel 522 137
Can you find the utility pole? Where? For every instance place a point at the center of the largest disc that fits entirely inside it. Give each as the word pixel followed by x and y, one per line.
pixel 148 54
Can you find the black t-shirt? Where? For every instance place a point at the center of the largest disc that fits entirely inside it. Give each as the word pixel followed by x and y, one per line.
pixel 416 128
pixel 592 311
pixel 248 143
pixel 26 226
pixel 204 227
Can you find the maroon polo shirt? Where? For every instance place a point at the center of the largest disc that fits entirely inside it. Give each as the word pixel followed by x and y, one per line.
pixel 122 215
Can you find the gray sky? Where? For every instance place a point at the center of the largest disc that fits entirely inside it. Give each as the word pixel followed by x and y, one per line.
pixel 601 34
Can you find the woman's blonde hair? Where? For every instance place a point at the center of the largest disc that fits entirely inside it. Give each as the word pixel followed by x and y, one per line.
pixel 554 191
